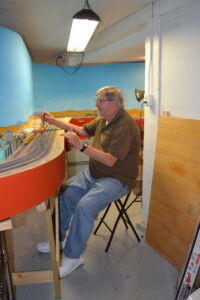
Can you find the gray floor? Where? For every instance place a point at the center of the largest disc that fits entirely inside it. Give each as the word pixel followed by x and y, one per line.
pixel 130 270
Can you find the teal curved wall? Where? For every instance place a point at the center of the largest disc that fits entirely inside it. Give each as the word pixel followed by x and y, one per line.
pixel 16 86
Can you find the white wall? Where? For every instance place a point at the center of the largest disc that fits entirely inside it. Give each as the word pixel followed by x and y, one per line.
pixel 172 73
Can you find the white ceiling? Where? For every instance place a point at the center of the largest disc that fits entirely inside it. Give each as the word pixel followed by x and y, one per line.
pixel 45 26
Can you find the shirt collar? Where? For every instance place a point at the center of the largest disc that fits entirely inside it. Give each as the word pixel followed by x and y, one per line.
pixel 118 115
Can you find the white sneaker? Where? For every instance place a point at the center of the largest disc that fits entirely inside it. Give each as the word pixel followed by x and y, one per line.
pixel 69 265
pixel 44 247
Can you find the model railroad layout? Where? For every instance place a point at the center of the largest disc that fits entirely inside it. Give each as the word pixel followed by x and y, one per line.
pixel 36 149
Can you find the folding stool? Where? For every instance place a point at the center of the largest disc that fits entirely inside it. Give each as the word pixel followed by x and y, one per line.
pixel 122 208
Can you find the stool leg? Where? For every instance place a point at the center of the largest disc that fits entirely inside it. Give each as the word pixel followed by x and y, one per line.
pixel 112 233
pixel 102 219
pixel 122 208
pixel 131 225
pixel 123 212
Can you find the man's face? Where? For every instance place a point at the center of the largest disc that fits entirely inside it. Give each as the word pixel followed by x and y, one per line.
pixel 105 107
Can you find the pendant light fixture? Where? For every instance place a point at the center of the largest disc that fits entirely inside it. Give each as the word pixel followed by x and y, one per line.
pixel 83 26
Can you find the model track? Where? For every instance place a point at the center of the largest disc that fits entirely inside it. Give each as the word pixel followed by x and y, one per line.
pixel 36 149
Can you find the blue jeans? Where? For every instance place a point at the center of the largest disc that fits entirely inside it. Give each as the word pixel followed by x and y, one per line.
pixel 84 197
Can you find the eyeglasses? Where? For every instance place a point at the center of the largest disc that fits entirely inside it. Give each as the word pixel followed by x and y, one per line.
pixel 99 101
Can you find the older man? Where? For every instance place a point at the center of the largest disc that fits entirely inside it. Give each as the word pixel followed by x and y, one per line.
pixel 113 169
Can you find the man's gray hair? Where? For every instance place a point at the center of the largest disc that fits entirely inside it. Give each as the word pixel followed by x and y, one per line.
pixel 113 93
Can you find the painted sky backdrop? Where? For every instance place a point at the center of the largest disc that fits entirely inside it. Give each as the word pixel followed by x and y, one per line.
pixel 54 90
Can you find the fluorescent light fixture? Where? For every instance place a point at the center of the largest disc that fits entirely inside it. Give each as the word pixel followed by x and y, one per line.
pixel 83 26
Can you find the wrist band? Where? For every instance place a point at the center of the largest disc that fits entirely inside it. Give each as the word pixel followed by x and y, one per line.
pixel 84 147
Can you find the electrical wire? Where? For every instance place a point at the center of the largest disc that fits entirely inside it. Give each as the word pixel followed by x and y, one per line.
pixel 76 67
pixel 141 150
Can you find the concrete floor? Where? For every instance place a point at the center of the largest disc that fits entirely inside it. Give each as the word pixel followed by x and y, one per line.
pixel 129 271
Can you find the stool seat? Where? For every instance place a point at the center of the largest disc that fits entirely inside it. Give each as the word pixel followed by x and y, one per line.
pixel 122 208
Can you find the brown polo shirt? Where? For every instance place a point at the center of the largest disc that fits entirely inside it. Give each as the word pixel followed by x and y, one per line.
pixel 121 138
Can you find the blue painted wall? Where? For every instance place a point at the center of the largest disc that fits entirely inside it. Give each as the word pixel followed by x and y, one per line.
pixel 16 93
pixel 27 88
pixel 54 90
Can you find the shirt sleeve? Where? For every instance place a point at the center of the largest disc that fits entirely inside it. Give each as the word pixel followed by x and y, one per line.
pixel 90 127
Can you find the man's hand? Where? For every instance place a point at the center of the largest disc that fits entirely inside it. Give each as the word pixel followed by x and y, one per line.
pixel 103 157
pixel 47 117
pixel 73 139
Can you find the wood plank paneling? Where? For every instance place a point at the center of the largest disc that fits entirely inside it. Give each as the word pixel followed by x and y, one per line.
pixel 175 194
